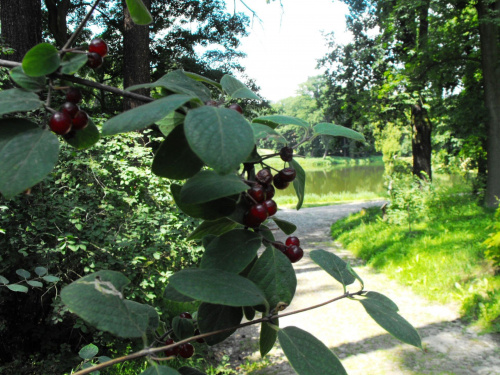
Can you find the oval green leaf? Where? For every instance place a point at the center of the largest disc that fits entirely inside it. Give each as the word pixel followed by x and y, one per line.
pixel 26 82
pixel 215 227
pixel 40 271
pixel 268 336
pixel 138 12
pixel 308 355
pixel 23 273
pixel 50 279
pixel 18 288
pixel 207 186
pixel 216 317
pixel 221 137
pixel 385 312
pixel 88 351
pixel 274 275
pixel 17 100
pixel 174 159
pixel 333 265
pixel 34 283
pixel 160 370
pixel 183 328
pixel 27 155
pixel 237 90
pixel 73 62
pixel 145 115
pixel 217 287
pixel 287 227
pixel 275 120
pixel 4 280
pixel 84 138
pixel 232 251
pixel 41 60
pixel 261 131
pixel 299 184
pixel 338 131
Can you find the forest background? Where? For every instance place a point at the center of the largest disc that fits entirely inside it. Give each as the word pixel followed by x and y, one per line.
pixel 419 81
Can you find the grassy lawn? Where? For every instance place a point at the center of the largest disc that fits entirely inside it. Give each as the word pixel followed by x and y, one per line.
pixel 442 257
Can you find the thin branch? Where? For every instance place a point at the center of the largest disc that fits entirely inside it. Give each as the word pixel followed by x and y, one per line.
pixel 80 27
pixel 85 82
pixel 150 351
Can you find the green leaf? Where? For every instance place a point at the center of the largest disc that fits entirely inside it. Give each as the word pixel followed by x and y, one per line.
pixel 217 287
pixel 23 273
pixel 299 184
pixel 215 227
pixel 98 299
pixel 41 60
pixel 26 82
pixel 200 78
pixel 3 280
pixel 308 355
pixel 266 233
pixel 216 317
pixel 264 132
pixel 274 275
pixel 160 370
pixel 183 328
pixel 18 288
pixel 177 81
pixel 207 186
pixel 138 12
pixel 50 279
pixel 27 155
pixel 237 90
pixel 207 211
pixel 34 283
pixel 333 265
pixel 103 359
pixel 285 226
pixel 84 138
pixel 190 371
pixel 174 159
pixel 276 120
pixel 232 251
pixel 170 121
pixel 18 100
pixel 173 295
pixel 72 62
pixel 221 137
pixel 350 269
pixel 268 336
pixel 40 271
pixel 88 351
pixel 385 312
pixel 338 131
pixel 145 115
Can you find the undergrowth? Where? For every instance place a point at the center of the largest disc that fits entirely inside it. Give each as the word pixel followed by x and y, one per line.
pixel 441 257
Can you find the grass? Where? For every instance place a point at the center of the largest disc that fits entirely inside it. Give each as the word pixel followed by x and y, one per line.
pixel 313 200
pixel 442 257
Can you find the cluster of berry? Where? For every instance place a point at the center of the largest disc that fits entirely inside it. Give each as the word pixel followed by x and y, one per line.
pixel 291 248
pixel 98 49
pixel 184 350
pixel 70 117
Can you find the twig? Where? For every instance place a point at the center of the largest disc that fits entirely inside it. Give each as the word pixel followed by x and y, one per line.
pixel 80 27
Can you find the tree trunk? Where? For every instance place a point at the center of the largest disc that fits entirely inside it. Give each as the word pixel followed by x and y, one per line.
pixel 421 142
pixel 489 36
pixel 57 13
pixel 21 26
pixel 136 56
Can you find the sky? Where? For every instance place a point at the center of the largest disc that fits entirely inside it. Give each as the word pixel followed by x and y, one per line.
pixel 283 48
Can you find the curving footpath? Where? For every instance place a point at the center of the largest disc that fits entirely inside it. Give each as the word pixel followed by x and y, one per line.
pixel 364 348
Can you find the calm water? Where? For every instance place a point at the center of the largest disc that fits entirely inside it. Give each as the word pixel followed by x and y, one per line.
pixel 352 179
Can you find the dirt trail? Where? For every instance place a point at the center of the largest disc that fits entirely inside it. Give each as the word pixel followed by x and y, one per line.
pixel 363 347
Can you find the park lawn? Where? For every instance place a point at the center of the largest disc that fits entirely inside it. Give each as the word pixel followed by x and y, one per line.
pixel 442 257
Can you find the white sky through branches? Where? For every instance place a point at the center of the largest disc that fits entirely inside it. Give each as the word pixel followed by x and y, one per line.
pixel 282 50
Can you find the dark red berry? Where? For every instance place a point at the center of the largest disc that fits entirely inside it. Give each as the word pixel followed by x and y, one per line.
pixel 98 46
pixel 287 174
pixel 272 207
pixel 196 333
pixel 70 108
pixel 236 107
pixel 269 189
pixel 264 176
pixel 94 60
pixel 186 350
pixel 294 253
pixel 73 95
pixel 80 120
pixel 255 216
pixel 279 183
pixel 172 351
pixel 280 246
pixel 292 240
pixel 286 154
pixel 186 315
pixel 257 192
pixel 60 123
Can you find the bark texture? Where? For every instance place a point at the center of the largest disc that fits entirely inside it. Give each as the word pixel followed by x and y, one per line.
pixel 57 13
pixel 421 142
pixel 21 26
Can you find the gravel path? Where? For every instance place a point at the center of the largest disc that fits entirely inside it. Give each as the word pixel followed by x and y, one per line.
pixel 364 348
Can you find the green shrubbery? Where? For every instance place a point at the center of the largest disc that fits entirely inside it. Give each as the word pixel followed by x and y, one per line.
pixel 101 209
